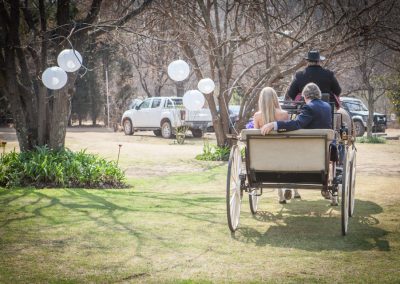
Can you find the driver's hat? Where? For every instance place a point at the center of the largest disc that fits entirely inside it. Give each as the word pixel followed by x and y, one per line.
pixel 313 55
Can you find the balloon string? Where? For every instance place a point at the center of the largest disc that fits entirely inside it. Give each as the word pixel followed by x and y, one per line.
pixel 79 60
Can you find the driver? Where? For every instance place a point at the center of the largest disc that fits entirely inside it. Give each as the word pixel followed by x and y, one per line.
pixel 315 73
pixel 324 79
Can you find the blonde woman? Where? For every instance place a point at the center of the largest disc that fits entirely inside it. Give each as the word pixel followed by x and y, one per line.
pixel 269 111
pixel 269 108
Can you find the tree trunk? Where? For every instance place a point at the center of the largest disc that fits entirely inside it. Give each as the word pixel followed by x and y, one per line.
pixel 59 118
pixel 180 89
pixel 25 46
pixel 370 121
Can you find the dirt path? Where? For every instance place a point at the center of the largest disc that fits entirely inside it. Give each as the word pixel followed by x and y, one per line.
pixel 144 154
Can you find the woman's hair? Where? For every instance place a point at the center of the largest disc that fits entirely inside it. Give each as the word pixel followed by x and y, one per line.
pixel 268 102
pixel 311 91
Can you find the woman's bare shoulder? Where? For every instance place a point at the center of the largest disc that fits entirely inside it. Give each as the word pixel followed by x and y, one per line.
pixel 257 114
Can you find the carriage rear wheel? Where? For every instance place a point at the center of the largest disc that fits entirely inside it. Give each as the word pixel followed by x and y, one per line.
pixel 345 192
pixel 254 197
pixel 352 189
pixel 233 191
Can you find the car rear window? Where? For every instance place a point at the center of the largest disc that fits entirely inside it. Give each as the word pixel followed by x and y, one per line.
pixel 177 102
pixel 173 102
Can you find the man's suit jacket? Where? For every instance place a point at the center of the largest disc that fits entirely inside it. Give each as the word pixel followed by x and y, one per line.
pixel 316 114
pixel 324 78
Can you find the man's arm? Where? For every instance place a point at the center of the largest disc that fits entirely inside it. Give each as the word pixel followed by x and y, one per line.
pixel 335 87
pixel 293 88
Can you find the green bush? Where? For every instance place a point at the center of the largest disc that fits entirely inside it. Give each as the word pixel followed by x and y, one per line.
pixel 214 153
pixel 372 140
pixel 47 168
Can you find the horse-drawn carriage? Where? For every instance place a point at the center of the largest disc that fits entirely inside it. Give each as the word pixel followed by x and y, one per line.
pixel 322 159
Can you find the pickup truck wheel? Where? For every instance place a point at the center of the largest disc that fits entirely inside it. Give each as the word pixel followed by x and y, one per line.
pixel 128 129
pixel 359 128
pixel 166 130
pixel 157 133
pixel 197 133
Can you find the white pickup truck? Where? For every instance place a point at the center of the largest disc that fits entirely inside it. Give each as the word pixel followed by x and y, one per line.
pixel 162 115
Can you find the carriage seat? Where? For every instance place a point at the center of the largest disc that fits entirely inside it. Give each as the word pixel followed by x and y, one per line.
pixel 301 151
pixel 253 131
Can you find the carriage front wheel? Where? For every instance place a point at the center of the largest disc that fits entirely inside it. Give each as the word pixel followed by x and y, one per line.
pixel 233 191
pixel 254 197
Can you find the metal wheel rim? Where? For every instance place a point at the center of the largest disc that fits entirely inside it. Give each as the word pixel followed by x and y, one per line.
pixel 166 130
pixel 345 193
pixel 233 189
pixel 353 184
pixel 127 126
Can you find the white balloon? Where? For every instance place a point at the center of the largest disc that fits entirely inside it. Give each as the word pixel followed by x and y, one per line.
pixel 206 86
pixel 178 70
pixel 54 78
pixel 69 60
pixel 193 100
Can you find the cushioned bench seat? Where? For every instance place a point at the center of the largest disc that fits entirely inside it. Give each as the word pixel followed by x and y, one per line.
pixel 276 157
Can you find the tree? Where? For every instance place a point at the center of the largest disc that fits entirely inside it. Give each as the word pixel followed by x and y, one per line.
pixel 394 88
pixel 248 45
pixel 32 34
pixel 394 95
pixel 372 84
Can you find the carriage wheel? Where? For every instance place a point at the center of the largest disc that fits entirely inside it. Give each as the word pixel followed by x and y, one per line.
pixel 345 192
pixel 253 200
pixel 233 192
pixel 352 189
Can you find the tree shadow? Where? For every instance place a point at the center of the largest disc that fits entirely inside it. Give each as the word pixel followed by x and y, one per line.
pixel 313 226
pixel 106 213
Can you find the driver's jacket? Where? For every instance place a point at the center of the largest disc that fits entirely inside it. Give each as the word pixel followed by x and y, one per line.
pixel 323 78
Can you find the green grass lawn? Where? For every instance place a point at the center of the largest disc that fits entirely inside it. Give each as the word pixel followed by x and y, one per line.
pixel 174 229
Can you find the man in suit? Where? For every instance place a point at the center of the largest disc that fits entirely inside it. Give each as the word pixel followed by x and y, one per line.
pixel 315 114
pixel 315 73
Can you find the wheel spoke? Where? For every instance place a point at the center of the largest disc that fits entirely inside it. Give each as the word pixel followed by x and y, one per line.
pixel 234 182
pixel 232 199
pixel 237 210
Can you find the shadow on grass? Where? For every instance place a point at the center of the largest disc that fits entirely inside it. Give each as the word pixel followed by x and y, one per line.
pixel 312 226
pixel 307 225
pixel 104 211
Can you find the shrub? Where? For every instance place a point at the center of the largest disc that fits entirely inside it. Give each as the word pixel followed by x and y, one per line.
pixel 214 153
pixel 372 140
pixel 48 168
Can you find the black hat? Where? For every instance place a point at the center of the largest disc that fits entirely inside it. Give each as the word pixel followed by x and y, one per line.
pixel 313 55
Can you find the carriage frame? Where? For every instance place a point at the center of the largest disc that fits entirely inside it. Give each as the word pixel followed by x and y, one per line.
pixel 258 170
